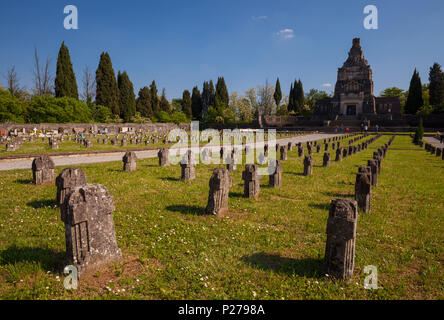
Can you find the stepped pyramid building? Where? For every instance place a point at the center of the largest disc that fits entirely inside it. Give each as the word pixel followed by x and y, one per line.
pixel 353 97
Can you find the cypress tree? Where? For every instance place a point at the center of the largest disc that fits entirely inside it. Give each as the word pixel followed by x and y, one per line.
pixel 221 96
pixel 107 91
pixel 436 87
pixel 290 106
pixel 143 104
pixel 155 103
pixel 127 99
pixel 186 104
pixel 164 103
pixel 300 99
pixel 65 84
pixel 419 134
pixel 414 99
pixel 212 95
pixel 205 98
pixel 196 103
pixel 277 93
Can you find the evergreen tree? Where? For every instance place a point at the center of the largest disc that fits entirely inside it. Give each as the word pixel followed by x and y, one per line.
pixel 277 93
pixel 155 103
pixel 221 96
pixel 186 104
pixel 127 99
pixel 299 98
pixel 196 103
pixel 436 86
pixel 212 94
pixel 164 103
pixel 414 99
pixel 65 84
pixel 107 91
pixel 205 98
pixel 419 134
pixel 143 105
pixel 290 106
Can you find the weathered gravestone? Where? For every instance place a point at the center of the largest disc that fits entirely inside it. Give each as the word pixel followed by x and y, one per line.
pixel 163 156
pixel 220 183
pixel 188 170
pixel 231 161
pixel 318 148
pixel 438 152
pixel 89 227
pixel 275 179
pixel 68 179
pixel 338 154
pixel 124 143
pixel 308 165
pixel 326 159
pixel 251 181
pixel 283 152
pixel 341 237
pixel 43 170
pixel 300 151
pixel 129 161
pixel 373 164
pixel 367 170
pixel 363 190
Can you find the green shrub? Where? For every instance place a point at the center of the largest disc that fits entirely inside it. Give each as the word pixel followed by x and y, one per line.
pixel 12 109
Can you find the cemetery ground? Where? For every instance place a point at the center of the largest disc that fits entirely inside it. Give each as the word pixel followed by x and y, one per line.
pixel 269 248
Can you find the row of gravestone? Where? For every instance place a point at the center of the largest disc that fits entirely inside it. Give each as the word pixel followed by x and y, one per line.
pixel 439 152
pixel 86 210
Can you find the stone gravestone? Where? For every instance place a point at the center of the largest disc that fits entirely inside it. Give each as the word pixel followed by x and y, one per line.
pixel 290 146
pixel 275 179
pixel 89 227
pixel 68 179
pixel 283 152
pixel 220 183
pixel 326 147
pixel 124 143
pixel 10 146
pixel 341 237
pixel 231 161
pixel 251 181
pixel 53 144
pixel 163 157
pixel 373 164
pixel 338 154
pixel 43 170
pixel 367 170
pixel 363 190
pixel 438 152
pixel 300 151
pixel 308 165
pixel 188 170
pixel 318 148
pixel 129 161
pixel 326 159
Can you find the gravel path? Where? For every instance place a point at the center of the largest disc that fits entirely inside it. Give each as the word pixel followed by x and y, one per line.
pixel 73 160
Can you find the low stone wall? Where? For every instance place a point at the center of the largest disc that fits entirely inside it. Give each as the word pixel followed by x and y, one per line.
pixel 111 128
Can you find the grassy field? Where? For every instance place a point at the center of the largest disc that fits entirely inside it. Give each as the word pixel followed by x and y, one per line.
pixel 271 248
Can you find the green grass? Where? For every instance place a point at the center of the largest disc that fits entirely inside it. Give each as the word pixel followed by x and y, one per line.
pixel 271 248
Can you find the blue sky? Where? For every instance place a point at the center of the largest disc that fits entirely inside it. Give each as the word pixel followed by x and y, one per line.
pixel 180 44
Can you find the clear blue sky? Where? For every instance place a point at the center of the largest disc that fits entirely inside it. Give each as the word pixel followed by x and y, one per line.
pixel 180 44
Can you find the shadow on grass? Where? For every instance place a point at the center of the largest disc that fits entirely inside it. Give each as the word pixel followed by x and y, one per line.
pixel 48 259
pixel 151 166
pixel 185 209
pixel 24 181
pixel 338 195
pixel 170 179
pixel 37 204
pixel 296 173
pixel 323 206
pixel 235 195
pixel 115 170
pixel 309 267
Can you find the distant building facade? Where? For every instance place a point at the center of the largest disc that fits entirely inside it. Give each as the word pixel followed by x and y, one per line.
pixel 353 96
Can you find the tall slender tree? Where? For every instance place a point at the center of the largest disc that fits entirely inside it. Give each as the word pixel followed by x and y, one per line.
pixel 65 84
pixel 196 103
pixel 212 94
pixel 277 93
pixel 143 104
pixel 164 103
pixel 436 85
pixel 155 102
pixel 299 98
pixel 291 99
pixel 221 96
pixel 107 91
pixel 127 99
pixel 414 99
pixel 186 104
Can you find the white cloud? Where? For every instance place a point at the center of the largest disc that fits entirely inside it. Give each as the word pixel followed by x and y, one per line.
pixel 327 85
pixel 286 33
pixel 259 17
